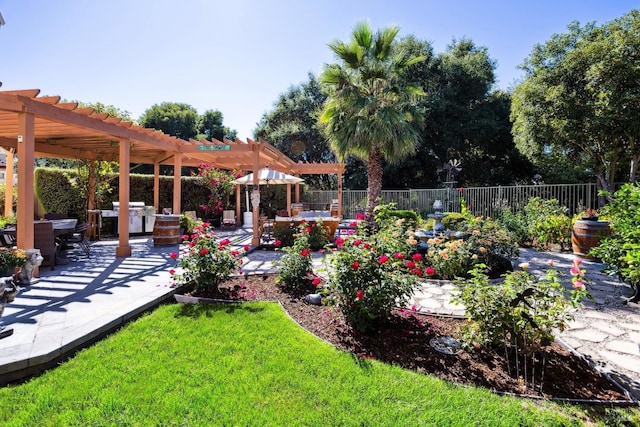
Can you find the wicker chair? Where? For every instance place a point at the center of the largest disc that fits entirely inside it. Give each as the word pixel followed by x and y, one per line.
pixel 44 239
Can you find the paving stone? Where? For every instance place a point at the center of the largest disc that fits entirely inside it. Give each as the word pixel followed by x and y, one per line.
pixel 621 346
pixel 574 324
pixel 609 328
pixel 595 314
pixel 630 326
pixel 589 335
pixel 572 342
pixel 634 337
pixel 429 303
pixel 630 363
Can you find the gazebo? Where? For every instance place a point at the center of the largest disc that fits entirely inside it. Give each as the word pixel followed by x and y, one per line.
pixel 33 126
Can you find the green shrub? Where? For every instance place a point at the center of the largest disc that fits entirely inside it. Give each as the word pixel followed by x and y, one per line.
pixel 387 213
pixel 516 226
pixel 370 278
pixel 187 223
pixel 621 250
pixel 295 266
pixel 521 311
pixel 205 262
pixel 284 234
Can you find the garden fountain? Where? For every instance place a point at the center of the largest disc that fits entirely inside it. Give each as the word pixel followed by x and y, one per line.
pixel 438 227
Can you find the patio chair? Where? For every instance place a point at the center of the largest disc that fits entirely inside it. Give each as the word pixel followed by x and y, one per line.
pixel 45 240
pixel 228 218
pixel 79 237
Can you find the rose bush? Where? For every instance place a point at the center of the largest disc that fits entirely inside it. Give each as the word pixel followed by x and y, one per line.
pixel 206 261
pixel 522 310
pixel 369 276
pixel 295 266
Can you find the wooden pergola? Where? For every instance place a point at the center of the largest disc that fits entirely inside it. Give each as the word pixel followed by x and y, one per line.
pixel 32 126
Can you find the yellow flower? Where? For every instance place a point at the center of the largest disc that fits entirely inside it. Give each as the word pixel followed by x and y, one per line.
pixel 412 241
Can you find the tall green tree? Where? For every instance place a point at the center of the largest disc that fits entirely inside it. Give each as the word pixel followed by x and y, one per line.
pixel 210 127
pixel 370 112
pixel 292 127
pixel 176 119
pixel 466 120
pixel 581 97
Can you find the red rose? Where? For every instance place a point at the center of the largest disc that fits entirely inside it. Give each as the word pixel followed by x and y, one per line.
pixel 316 281
pixel 277 243
pixel 429 271
pixel 357 242
pixel 417 257
pixel 304 252
pixel 359 295
pixel 204 251
pixel 246 248
pixel 173 255
pixel 355 265
pixel 410 264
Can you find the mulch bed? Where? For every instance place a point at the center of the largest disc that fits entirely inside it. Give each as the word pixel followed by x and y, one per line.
pixel 405 341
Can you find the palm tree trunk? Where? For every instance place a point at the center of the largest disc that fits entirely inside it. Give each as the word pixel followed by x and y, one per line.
pixel 374 190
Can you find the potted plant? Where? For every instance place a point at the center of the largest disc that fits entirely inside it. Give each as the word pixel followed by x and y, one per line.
pixel 10 259
pixel 590 215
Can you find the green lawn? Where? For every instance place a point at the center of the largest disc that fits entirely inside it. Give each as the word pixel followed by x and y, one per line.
pixel 248 365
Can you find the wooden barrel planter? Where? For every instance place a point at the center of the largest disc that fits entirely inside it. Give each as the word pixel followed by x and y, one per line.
pixel 166 230
pixel 587 234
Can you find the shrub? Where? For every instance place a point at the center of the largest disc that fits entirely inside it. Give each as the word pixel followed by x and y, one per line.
pixel 284 234
pixel 386 213
pixel 621 250
pixel 521 311
pixel 516 226
pixel 295 265
pixel 368 279
pixel 187 223
pixel 206 262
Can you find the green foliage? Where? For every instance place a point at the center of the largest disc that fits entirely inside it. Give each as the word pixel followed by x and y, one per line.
pixel 219 184
pixel 172 118
pixel 621 250
pixel 578 103
pixel 292 127
pixel 56 192
pixel 284 234
pixel 187 223
pixel 15 197
pixel 101 172
pixel 542 224
pixel 368 279
pixel 210 127
pixel 206 262
pixel 521 310
pixel 11 258
pixel 387 213
pixel 295 265
pixel 371 112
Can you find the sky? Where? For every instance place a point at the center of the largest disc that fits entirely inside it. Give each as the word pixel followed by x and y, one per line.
pixel 238 56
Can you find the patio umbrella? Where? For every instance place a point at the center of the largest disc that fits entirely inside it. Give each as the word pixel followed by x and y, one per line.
pixel 267 176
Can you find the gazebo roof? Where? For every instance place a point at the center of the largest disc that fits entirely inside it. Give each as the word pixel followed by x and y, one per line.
pixel 63 130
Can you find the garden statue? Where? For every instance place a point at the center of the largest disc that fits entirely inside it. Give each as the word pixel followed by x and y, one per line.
pixel 8 292
pixel 34 259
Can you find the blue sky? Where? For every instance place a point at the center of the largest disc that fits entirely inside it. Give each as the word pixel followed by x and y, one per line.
pixel 237 56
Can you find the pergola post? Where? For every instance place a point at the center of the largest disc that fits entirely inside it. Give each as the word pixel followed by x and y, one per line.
pixel 156 186
pixel 124 249
pixel 177 183
pixel 8 183
pixel 26 157
pixel 255 197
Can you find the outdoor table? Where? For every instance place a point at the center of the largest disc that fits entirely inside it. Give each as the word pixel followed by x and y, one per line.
pixel 61 229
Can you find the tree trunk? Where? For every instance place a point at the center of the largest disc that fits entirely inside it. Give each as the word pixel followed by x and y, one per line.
pixel 374 189
pixel 635 158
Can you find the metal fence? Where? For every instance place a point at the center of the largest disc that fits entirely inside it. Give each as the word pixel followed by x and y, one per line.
pixel 485 201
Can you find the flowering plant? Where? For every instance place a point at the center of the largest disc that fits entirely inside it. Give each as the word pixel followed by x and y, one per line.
pixel 370 278
pixel 220 184
pixel 206 261
pixel 11 258
pixel 295 265
pixel 522 311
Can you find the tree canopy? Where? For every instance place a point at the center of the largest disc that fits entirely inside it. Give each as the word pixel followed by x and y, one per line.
pixel 370 111
pixel 293 128
pixel 580 98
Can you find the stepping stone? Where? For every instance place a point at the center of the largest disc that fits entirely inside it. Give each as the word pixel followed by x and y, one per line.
pixel 589 335
pixel 629 363
pixel 608 328
pixel 594 314
pixel 626 347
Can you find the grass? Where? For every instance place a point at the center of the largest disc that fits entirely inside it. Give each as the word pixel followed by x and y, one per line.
pixel 248 364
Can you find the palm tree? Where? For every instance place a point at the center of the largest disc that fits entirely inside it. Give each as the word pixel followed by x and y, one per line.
pixel 369 113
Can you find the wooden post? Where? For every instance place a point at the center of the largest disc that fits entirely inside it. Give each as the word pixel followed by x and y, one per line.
pixel 124 249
